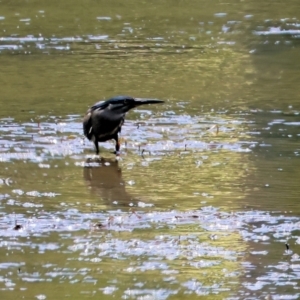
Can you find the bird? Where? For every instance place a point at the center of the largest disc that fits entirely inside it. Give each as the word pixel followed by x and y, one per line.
pixel 103 121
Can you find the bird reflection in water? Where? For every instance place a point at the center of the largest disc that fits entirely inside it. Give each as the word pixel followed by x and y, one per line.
pixel 105 179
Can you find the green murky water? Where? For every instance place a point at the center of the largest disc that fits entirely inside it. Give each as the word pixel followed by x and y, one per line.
pixel 205 194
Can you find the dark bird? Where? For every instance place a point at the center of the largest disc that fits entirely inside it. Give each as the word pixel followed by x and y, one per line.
pixel 103 121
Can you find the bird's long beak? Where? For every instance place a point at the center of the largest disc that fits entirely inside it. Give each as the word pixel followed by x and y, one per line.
pixel 141 101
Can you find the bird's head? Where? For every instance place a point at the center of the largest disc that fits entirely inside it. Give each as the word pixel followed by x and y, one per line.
pixel 124 103
pixel 121 103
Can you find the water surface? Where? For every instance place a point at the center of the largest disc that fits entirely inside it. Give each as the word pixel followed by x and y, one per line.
pixel 204 196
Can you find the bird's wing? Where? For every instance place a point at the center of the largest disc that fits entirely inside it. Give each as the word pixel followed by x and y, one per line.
pixel 87 125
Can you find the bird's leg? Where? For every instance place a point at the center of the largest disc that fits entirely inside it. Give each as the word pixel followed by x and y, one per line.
pixel 96 146
pixel 116 138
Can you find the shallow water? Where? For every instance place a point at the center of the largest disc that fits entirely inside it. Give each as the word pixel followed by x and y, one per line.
pixel 203 198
